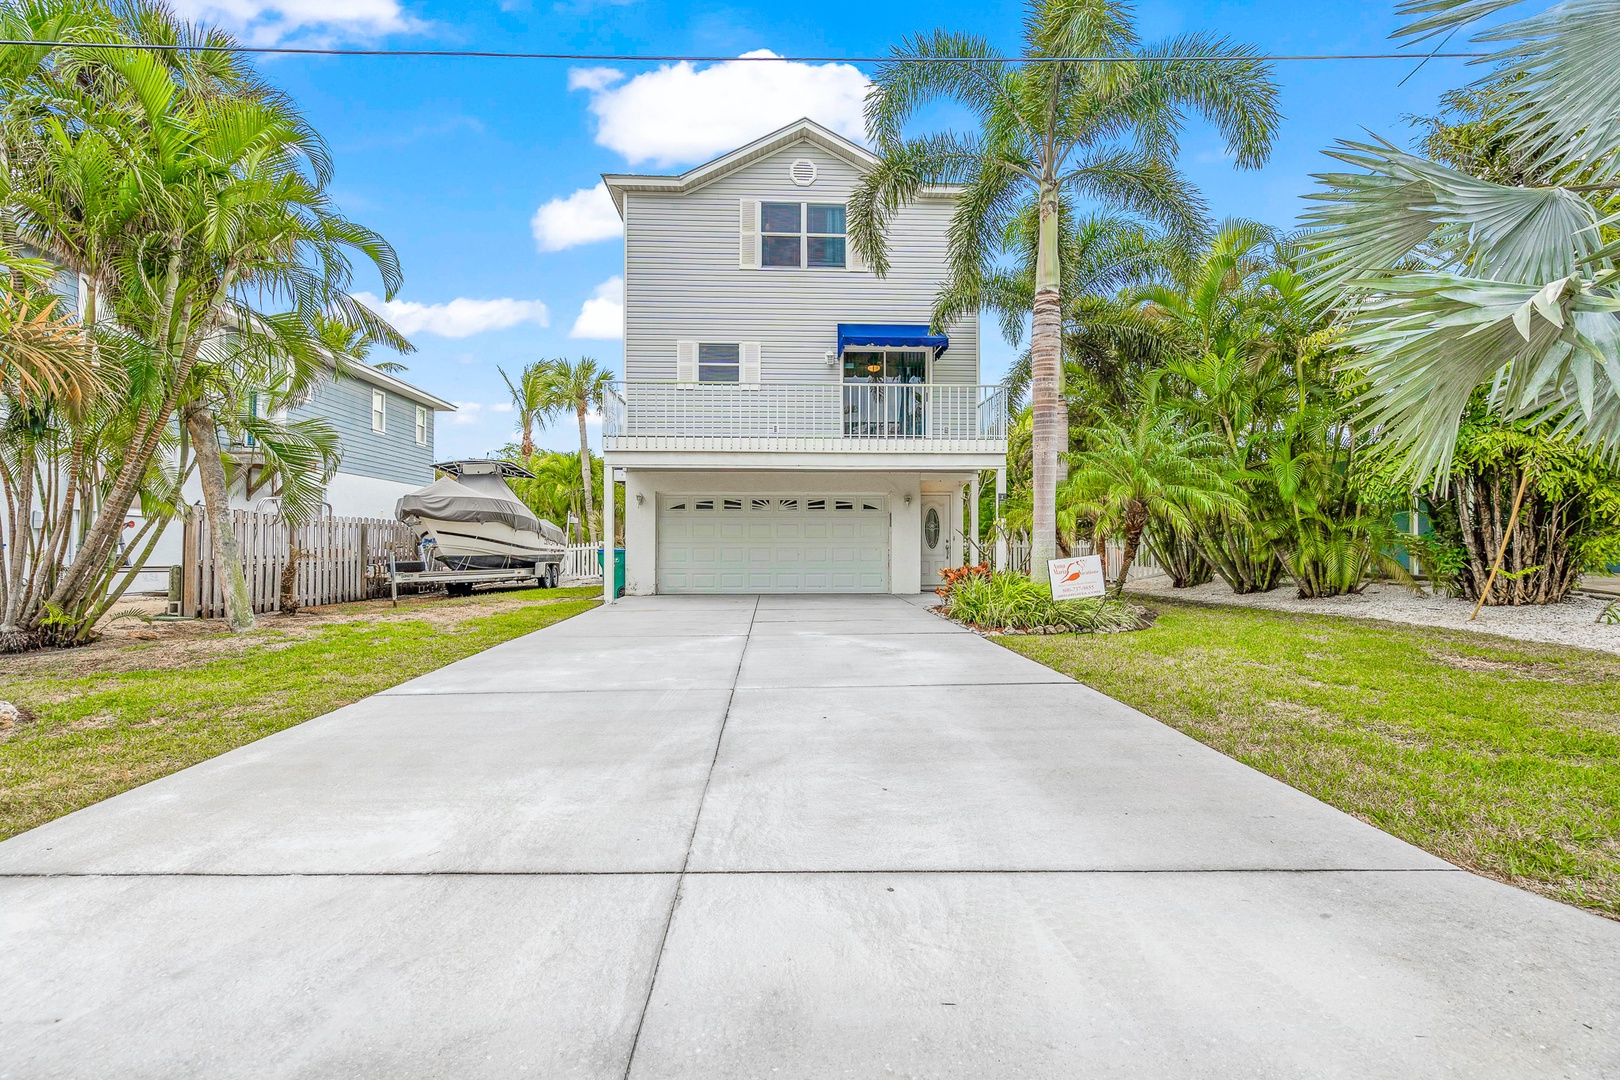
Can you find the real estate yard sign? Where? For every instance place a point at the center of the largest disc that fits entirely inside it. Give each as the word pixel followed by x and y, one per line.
pixel 1075 578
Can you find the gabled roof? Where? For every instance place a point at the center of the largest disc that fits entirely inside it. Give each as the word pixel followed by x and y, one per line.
pixel 368 374
pixel 800 131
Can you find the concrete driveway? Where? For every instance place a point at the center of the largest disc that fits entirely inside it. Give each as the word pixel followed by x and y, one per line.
pixel 761 838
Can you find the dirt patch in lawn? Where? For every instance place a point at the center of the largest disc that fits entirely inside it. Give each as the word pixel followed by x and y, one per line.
pixel 128 643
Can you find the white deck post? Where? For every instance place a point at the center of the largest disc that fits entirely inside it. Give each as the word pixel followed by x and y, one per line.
pixel 607 531
pixel 973 517
pixel 1001 534
pixel 959 557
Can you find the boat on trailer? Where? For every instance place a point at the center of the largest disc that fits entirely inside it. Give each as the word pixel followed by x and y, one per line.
pixel 470 520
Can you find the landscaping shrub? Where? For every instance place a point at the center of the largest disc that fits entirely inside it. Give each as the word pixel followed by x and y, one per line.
pixel 1009 601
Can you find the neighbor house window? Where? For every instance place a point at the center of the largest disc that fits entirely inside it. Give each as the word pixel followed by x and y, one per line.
pixel 719 363
pixel 421 425
pixel 379 411
pixel 802 234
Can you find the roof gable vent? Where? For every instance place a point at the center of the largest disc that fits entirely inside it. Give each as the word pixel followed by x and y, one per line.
pixel 802 172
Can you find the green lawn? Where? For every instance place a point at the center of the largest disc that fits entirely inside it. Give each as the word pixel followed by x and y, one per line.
pixel 1501 757
pixel 145 702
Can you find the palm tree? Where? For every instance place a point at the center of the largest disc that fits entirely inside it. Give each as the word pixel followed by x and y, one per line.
pixel 1223 374
pixel 576 386
pixel 526 400
pixel 1455 282
pixel 1052 129
pixel 183 191
pixel 556 492
pixel 1102 255
pixel 1153 469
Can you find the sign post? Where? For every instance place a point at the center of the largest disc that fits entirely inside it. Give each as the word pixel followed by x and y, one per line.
pixel 1077 578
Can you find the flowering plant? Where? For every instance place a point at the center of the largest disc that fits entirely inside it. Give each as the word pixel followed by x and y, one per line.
pixel 954 575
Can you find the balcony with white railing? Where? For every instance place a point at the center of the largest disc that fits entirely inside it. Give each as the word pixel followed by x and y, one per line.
pixel 824 417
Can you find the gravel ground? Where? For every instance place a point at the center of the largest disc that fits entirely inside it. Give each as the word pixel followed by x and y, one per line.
pixel 1571 623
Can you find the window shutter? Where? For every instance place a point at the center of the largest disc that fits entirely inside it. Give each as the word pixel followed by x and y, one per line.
pixel 749 376
pixel 748 234
pixel 686 361
pixel 852 258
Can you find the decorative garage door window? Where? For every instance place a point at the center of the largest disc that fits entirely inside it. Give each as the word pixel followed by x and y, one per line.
pixel 931 528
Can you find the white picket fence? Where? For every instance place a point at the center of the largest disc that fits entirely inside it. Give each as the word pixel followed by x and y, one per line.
pixel 1144 566
pixel 340 559
pixel 582 564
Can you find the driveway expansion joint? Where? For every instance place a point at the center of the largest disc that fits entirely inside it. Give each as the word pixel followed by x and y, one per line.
pixel 691 837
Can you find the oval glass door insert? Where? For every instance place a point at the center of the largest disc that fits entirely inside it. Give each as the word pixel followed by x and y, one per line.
pixel 931 527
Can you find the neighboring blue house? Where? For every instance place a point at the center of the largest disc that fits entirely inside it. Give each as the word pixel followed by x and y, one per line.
pixel 386 426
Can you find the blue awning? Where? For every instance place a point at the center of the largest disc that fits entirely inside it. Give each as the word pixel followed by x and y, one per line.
pixel 889 336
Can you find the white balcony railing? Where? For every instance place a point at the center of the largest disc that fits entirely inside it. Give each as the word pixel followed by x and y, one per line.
pixel 852 414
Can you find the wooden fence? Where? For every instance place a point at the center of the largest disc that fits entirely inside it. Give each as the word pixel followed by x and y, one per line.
pixel 340 559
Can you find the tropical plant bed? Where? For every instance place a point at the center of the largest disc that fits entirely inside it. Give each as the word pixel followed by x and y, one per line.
pixel 1576 622
pixel 1008 603
pixel 148 700
pixel 1497 756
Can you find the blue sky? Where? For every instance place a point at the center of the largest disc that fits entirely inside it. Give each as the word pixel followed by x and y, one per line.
pixel 453 160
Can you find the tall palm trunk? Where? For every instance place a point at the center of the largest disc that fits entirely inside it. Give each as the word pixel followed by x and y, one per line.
pixel 216 504
pixel 1051 427
pixel 585 477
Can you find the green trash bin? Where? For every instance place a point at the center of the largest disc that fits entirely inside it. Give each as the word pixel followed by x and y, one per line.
pixel 618 569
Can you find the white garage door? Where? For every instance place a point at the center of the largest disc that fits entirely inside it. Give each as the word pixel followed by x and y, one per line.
pixel 772 544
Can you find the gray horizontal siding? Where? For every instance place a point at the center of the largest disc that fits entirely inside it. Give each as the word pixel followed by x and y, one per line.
pixel 682 281
pixel 345 403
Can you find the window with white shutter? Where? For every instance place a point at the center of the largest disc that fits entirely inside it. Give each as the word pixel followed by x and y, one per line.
pixel 686 361
pixel 748 234
pixel 853 258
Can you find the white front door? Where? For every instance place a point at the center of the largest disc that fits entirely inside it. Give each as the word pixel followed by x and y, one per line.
pixel 759 543
pixel 936 539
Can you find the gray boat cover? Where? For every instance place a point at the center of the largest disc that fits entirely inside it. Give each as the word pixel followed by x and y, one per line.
pixel 449 500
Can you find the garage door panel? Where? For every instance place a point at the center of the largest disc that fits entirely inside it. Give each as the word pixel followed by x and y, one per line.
pixel 773 543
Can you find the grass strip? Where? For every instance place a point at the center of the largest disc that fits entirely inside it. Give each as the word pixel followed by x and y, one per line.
pixel 1499 756
pixel 96 735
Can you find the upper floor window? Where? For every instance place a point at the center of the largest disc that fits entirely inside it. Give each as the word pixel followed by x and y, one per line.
pixel 802 234
pixel 734 362
pixel 421 425
pixel 719 363
pixel 379 411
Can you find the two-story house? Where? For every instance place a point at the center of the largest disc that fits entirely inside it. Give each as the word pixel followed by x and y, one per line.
pixel 787 421
pixel 386 428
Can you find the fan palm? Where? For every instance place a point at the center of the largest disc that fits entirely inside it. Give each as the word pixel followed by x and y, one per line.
pixel 576 386
pixel 1051 129
pixel 1455 282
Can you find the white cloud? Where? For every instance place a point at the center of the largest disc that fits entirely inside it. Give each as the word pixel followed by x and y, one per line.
pixel 501 406
pixel 596 78
pixel 681 113
pixel 467 412
pixel 602 316
pixel 459 318
pixel 268 21
pixel 584 217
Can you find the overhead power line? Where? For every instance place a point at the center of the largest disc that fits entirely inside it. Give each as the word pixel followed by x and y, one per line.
pixel 634 58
